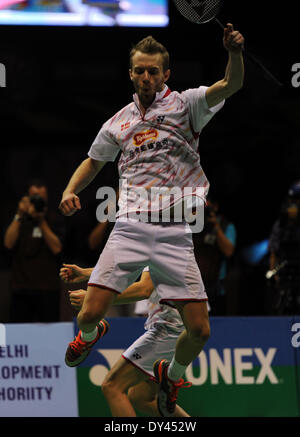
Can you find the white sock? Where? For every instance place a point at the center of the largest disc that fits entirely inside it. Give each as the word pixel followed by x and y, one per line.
pixel 175 370
pixel 89 336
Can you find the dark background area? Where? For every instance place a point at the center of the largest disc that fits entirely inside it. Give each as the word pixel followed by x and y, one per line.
pixel 64 82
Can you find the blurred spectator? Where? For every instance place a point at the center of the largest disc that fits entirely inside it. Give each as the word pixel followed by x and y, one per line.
pixel 99 236
pixel 213 248
pixel 284 247
pixel 35 237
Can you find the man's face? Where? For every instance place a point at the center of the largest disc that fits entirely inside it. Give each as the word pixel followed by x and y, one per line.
pixel 148 76
pixel 41 191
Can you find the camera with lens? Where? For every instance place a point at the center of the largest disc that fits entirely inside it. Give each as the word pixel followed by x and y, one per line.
pixel 38 202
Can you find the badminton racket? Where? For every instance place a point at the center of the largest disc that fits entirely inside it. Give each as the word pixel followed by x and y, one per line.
pixel 201 12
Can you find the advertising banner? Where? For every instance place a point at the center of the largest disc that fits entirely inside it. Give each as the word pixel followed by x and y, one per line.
pixel 246 369
pixel 34 380
pixel 250 367
pixel 295 341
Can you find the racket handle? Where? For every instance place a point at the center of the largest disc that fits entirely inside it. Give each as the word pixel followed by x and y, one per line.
pixel 262 67
pixel 254 60
pixel 219 23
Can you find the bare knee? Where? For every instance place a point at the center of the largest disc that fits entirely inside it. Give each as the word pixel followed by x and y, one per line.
pixel 95 304
pixel 109 388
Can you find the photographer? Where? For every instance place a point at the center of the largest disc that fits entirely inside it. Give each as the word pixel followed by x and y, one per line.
pixel 35 238
pixel 213 248
pixel 284 262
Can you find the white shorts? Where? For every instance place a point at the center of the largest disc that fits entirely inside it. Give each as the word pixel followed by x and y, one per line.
pixel 157 343
pixel 167 249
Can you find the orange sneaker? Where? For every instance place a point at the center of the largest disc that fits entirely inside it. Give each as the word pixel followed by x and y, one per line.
pixel 168 390
pixel 79 349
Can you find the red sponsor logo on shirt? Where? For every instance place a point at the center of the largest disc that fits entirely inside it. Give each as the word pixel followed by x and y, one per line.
pixel 141 137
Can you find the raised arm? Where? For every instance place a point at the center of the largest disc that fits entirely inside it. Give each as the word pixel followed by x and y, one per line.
pixel 81 178
pixel 71 273
pixel 234 74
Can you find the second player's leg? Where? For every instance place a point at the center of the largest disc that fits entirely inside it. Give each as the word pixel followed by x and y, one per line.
pixel 116 384
pixel 143 397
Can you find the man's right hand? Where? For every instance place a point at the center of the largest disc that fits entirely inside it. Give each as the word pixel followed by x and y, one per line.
pixel 69 204
pixel 71 273
pixel 23 206
pixel 76 298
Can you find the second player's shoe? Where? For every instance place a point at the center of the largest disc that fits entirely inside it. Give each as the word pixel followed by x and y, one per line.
pixel 79 349
pixel 168 390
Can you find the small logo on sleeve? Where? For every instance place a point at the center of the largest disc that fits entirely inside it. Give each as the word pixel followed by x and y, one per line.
pixel 125 125
pixel 141 137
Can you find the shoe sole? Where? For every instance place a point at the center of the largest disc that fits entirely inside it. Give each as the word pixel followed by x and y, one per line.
pixel 84 355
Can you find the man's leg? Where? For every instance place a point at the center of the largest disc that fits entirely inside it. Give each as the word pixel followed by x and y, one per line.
pixel 190 343
pixel 119 379
pixel 90 323
pixel 95 305
pixel 143 397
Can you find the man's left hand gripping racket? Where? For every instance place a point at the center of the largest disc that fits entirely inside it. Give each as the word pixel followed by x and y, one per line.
pixel 201 12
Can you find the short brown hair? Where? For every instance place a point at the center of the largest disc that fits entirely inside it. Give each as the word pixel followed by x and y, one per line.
pixel 150 46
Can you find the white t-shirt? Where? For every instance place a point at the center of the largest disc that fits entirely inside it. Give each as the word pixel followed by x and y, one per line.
pixel 159 149
pixel 162 314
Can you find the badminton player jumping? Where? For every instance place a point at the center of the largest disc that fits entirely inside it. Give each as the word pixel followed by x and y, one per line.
pixel 131 377
pixel 158 135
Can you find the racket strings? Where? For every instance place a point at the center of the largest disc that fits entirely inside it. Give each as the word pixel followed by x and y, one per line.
pixel 198 11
